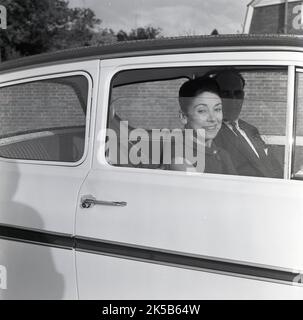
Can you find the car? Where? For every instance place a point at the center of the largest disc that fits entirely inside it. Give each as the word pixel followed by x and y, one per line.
pixel 89 208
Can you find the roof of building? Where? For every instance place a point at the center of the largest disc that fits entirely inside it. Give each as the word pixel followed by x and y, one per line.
pixel 193 44
pixel 262 3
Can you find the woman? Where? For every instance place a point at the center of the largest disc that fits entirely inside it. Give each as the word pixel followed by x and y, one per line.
pixel 201 108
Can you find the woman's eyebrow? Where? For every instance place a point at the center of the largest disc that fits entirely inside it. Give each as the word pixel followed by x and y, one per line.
pixel 206 105
pixel 201 105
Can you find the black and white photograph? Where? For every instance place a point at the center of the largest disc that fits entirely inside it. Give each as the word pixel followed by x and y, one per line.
pixel 151 150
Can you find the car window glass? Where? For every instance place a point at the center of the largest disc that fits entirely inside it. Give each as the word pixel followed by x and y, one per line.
pixel 264 107
pixel 257 148
pixel 44 120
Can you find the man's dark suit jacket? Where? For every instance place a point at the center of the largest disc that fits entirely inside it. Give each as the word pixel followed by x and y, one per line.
pixel 244 158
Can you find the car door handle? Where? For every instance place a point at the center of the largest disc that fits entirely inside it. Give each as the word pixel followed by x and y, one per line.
pixel 90 201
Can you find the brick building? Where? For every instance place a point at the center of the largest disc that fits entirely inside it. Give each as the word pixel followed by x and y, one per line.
pixel 274 17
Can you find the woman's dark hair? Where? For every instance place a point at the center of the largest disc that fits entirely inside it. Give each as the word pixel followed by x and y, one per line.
pixel 192 88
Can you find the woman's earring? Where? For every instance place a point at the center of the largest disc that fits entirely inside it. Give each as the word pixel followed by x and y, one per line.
pixel 183 118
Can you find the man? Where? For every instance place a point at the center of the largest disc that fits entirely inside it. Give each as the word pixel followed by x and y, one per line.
pixel 249 153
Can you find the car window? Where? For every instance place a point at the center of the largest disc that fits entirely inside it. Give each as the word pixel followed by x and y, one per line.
pixel 149 118
pixel 44 120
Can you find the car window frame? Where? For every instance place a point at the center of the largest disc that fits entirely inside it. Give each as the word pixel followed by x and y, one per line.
pixel 48 76
pixel 289 129
pixel 298 69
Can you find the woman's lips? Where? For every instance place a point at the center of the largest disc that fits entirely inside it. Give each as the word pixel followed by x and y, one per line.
pixel 211 128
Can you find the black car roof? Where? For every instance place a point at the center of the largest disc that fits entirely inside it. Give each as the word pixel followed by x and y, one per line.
pixel 163 46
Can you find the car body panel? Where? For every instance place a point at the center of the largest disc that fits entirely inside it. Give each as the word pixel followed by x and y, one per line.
pixel 180 235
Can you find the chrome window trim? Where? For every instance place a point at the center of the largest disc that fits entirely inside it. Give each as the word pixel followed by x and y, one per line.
pixel 295 139
pixel 289 122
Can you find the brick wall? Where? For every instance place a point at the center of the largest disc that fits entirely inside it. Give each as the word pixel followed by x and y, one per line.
pixel 270 19
pixel 155 105
pixel 148 105
pixel 265 101
pixel 38 105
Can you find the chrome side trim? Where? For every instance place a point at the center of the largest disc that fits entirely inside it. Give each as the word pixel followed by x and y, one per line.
pixel 153 255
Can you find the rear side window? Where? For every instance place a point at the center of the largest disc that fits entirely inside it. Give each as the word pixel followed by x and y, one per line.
pixel 241 110
pixel 44 120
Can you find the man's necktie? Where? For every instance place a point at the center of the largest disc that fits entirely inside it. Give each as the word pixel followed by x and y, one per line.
pixel 235 129
pixel 263 160
pixel 259 149
pixel 243 141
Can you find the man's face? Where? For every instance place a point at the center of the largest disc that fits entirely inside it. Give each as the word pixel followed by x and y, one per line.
pixel 232 94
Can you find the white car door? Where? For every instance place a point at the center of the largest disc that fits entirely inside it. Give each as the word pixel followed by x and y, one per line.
pixel 45 155
pixel 146 233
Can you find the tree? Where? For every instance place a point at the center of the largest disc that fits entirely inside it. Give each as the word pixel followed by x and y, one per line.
pixel 36 26
pixel 78 31
pixel 141 33
pixel 103 36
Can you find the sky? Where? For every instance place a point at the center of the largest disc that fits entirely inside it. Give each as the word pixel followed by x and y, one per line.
pixel 174 17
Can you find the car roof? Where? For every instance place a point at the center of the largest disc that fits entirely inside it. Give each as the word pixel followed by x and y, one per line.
pixel 191 44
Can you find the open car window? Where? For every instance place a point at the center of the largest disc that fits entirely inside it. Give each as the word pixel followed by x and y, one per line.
pixel 141 104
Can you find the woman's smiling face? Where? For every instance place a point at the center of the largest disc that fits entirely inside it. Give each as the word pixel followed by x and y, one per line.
pixel 205 111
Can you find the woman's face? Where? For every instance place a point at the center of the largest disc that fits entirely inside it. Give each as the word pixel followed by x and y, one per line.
pixel 205 111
